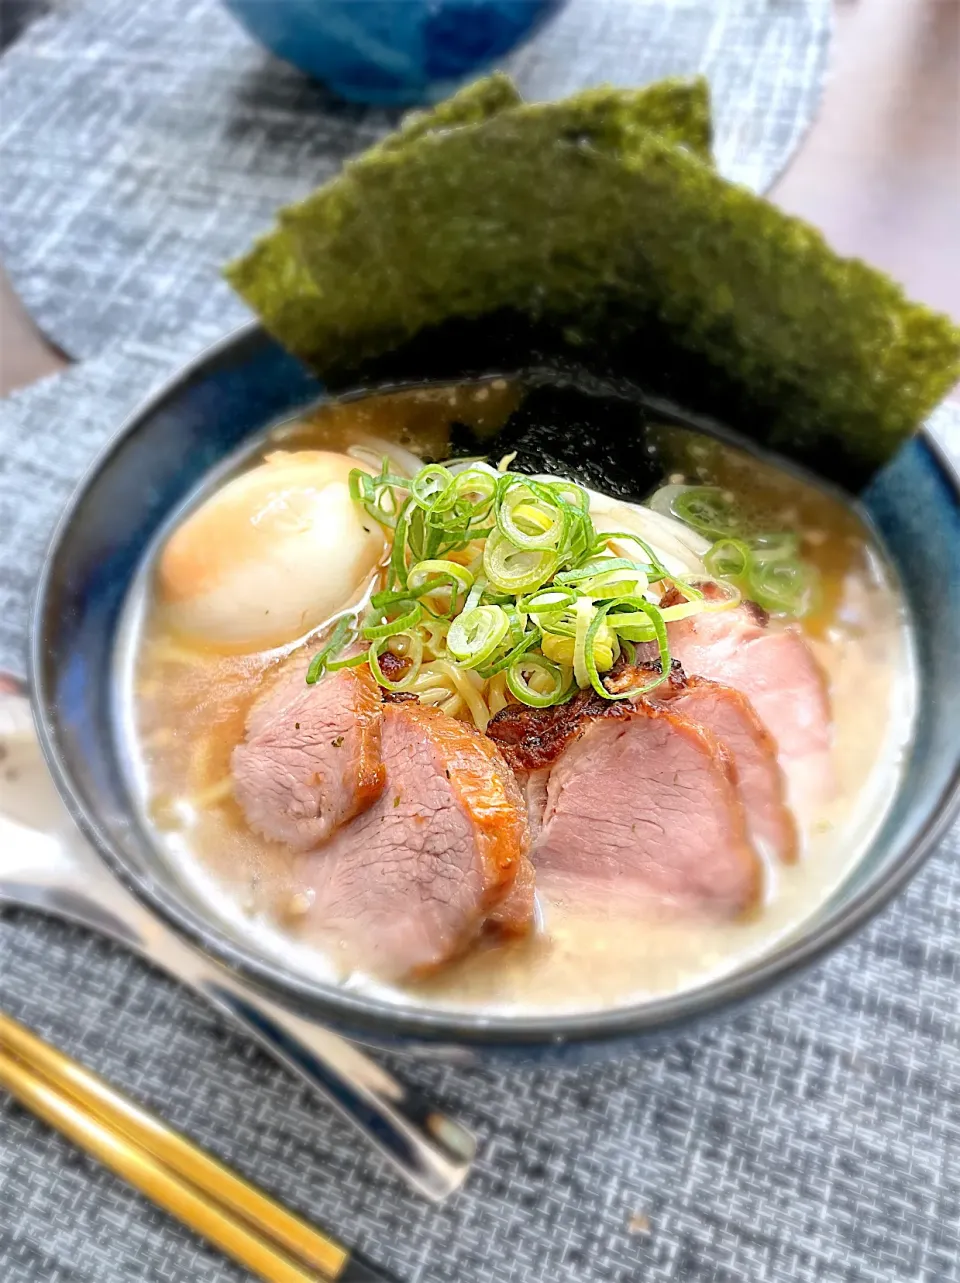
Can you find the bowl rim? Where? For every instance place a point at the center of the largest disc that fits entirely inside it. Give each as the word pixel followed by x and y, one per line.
pixel 366 1014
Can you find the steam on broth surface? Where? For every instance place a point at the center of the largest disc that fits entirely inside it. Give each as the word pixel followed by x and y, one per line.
pixel 213 625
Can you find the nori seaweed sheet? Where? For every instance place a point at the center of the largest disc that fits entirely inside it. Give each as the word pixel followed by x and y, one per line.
pixel 593 438
pixel 274 279
pixel 651 254
pixel 629 256
pixel 271 277
pixel 475 103
pixel 611 119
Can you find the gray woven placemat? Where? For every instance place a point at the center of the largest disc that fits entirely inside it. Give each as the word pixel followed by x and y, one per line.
pixel 816 1138
pixel 144 142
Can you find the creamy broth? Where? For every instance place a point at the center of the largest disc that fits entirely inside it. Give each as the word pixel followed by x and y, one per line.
pixel 185 705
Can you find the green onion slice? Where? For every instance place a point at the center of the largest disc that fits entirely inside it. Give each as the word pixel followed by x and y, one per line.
pixel 599 565
pixel 377 494
pixel 429 485
pixel 573 494
pixel 475 490
pixel 344 634
pixel 584 615
pixel 728 559
pixel 614 581
pixel 397 570
pixel 778 546
pixel 526 642
pixel 517 622
pixel 642 606
pixel 412 652
pixel 519 676
pixel 729 595
pixel 516 570
pixel 476 593
pixel 439 576
pixel 476 635
pixel 334 665
pixel 389 628
pixel 707 509
pixel 784 587
pixel 530 516
pixel 547 600
pixel 384 601
pixel 657 571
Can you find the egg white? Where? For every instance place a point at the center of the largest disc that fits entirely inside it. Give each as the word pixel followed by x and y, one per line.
pixel 271 555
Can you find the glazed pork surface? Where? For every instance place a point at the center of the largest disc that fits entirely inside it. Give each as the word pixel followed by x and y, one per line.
pixel 636 798
pixel 412 826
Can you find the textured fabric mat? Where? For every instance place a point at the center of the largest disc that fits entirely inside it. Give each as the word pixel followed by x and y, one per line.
pixel 142 144
pixel 816 1139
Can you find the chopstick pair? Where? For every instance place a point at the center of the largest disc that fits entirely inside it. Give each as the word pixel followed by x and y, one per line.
pixel 208 1197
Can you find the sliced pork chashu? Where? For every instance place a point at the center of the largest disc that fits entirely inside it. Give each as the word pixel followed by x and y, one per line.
pixel 635 799
pixel 311 760
pixel 730 716
pixel 410 882
pixel 778 673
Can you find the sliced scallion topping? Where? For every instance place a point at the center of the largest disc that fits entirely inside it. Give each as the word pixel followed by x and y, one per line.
pixel 638 605
pixel 498 664
pixel 530 516
pixel 769 568
pixel 390 627
pixel 500 579
pixel 547 600
pixel 728 558
pixel 342 636
pixel 334 665
pixel 514 569
pixel 477 634
pixel 430 485
pixel 784 586
pixel 781 545
pixel 716 594
pixel 440 577
pixel 707 509
pixel 413 656
pixel 537 682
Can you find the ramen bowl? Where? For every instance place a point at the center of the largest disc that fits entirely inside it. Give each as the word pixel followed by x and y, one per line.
pixel 191 429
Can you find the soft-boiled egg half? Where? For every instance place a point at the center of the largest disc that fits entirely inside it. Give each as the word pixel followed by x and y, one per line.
pixel 270 555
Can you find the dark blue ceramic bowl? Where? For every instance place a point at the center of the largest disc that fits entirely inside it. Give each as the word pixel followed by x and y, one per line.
pixel 205 414
pixel 397 52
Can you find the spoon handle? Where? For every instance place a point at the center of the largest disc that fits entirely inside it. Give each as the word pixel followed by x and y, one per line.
pixel 59 873
pixel 432 1151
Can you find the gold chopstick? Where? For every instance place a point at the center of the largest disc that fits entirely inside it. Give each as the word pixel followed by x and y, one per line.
pixel 176 1174
pixel 148 1175
pixel 176 1152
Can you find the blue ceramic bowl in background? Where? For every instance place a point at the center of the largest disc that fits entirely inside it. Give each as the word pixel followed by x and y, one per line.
pixel 392 52
pixel 194 425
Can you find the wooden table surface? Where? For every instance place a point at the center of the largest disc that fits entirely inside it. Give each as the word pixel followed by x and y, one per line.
pixel 879 172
